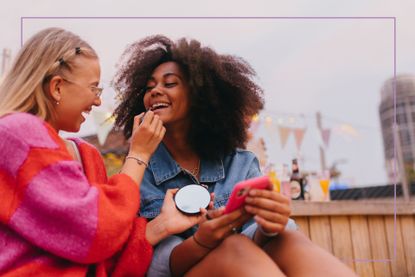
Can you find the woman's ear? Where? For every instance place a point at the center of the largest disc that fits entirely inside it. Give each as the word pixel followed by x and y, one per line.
pixel 54 88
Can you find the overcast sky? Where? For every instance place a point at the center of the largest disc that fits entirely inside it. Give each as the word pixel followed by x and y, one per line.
pixel 335 66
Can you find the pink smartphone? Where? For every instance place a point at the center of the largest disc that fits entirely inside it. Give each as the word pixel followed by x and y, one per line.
pixel 241 189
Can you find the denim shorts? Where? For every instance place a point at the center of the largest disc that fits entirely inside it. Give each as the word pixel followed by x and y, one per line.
pixel 160 264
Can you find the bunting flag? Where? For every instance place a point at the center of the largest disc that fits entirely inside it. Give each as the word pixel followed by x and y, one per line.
pixel 349 130
pixel 284 134
pixel 257 146
pixel 270 128
pixel 325 134
pixel 299 135
pixel 104 122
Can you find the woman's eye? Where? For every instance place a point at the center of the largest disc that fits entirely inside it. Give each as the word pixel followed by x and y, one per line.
pixel 148 88
pixel 169 85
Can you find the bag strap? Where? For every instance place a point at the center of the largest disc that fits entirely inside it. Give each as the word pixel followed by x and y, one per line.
pixel 76 150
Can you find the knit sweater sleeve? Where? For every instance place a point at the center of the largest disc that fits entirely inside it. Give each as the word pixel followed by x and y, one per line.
pixel 49 201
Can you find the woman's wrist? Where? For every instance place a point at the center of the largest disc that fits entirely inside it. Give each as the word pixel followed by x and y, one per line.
pixel 139 160
pixel 260 237
pixel 266 234
pixel 201 244
pixel 198 239
pixel 145 157
pixel 156 230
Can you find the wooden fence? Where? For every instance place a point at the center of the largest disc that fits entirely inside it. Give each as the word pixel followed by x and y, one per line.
pixel 365 235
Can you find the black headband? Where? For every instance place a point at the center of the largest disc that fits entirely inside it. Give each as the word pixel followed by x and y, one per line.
pixel 77 52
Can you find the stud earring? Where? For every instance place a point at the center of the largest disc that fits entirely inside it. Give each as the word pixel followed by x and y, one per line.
pixel 57 102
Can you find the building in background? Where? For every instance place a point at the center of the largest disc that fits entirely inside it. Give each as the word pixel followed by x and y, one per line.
pixel 113 150
pixel 402 135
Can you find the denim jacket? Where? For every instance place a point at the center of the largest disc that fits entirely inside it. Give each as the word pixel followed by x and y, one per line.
pixel 219 176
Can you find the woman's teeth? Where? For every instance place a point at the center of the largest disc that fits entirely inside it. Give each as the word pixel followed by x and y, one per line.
pixel 158 106
pixel 85 113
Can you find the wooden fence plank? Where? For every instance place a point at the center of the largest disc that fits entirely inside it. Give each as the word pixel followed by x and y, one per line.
pixel 361 245
pixel 379 246
pixel 398 264
pixel 352 207
pixel 302 223
pixel 341 239
pixel 408 236
pixel 320 232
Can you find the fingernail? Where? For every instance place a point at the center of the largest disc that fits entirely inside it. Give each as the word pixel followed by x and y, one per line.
pixel 248 199
pixel 252 192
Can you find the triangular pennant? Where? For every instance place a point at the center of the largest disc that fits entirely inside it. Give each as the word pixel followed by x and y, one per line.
pixel 325 134
pixel 284 134
pixel 258 147
pixel 299 135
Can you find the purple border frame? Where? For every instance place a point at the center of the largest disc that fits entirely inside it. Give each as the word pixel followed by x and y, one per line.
pixel 392 18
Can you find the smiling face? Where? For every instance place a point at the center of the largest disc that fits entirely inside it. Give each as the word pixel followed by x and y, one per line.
pixel 167 94
pixel 76 94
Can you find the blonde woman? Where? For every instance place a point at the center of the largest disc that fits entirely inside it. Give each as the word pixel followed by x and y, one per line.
pixel 60 215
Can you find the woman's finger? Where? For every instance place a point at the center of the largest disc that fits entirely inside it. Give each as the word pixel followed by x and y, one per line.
pixel 163 131
pixel 137 121
pixel 235 226
pixel 267 215
pixel 158 128
pixel 171 192
pixel 268 204
pixel 211 214
pixel 226 219
pixel 147 119
pixel 269 194
pixel 269 227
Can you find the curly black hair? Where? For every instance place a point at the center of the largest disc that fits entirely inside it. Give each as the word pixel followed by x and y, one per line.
pixel 222 91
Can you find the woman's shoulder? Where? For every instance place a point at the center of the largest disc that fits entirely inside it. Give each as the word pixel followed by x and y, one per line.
pixel 240 158
pixel 19 120
pixel 243 154
pixel 247 163
pixel 29 129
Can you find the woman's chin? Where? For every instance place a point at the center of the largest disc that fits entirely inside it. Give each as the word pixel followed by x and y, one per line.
pixel 72 129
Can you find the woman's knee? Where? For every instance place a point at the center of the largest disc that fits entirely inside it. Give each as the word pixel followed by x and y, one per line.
pixel 237 242
pixel 288 242
pixel 293 238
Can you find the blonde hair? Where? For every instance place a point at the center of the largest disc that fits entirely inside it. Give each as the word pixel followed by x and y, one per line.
pixel 48 53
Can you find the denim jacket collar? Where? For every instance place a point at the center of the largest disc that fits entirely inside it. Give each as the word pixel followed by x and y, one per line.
pixel 164 167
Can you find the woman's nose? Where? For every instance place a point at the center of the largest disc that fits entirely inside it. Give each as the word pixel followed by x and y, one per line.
pixel 97 101
pixel 156 91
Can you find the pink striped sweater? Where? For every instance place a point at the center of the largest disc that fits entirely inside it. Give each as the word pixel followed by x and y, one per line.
pixel 59 220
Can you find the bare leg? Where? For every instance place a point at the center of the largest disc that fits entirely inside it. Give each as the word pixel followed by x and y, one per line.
pixel 236 256
pixel 296 256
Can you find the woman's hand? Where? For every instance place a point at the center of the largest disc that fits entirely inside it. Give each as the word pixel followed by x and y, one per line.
pixel 170 220
pixel 176 221
pixel 217 226
pixel 147 133
pixel 271 209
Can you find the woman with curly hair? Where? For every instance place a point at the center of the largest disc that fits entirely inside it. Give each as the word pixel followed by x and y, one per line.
pixel 203 99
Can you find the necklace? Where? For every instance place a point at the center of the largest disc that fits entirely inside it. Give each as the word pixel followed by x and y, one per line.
pixel 195 170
